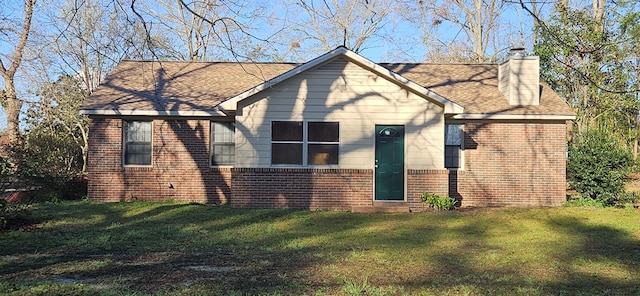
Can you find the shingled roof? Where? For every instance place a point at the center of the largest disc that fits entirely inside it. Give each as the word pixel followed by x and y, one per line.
pixel 196 88
pixel 176 86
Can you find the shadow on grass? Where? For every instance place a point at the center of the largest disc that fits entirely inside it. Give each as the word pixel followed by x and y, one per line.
pixel 605 261
pixel 587 259
pixel 146 247
pixel 168 248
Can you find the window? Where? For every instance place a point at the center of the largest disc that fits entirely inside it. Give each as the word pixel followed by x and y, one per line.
pixel 137 142
pixel 300 143
pixel 323 140
pixel 286 146
pixel 453 146
pixel 223 146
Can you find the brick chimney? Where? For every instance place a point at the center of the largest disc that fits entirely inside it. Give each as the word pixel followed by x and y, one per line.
pixel 519 78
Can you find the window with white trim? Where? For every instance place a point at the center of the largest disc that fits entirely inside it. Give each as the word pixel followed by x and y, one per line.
pixel 453 146
pixel 223 143
pixel 137 142
pixel 304 143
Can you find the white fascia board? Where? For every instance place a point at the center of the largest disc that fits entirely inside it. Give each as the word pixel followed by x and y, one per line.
pixel 515 116
pixel 190 113
pixel 449 106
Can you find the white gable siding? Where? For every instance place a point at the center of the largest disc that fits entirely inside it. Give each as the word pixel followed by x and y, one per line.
pixel 358 99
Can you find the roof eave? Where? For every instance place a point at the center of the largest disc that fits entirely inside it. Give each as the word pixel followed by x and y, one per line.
pixel 477 116
pixel 189 113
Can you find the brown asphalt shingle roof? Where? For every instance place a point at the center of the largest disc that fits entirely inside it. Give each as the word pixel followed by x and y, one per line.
pixel 201 86
pixel 177 86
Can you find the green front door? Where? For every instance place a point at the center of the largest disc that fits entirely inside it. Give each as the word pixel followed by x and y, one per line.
pixel 389 162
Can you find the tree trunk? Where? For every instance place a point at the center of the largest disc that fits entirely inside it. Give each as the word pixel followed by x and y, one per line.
pixel 536 22
pixel 12 106
pixel 11 103
pixel 635 149
pixel 598 11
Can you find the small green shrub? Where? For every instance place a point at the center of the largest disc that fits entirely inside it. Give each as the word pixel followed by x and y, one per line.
pixel 3 214
pixel 10 213
pixel 584 202
pixel 6 172
pixel 598 166
pixel 441 203
pixel 628 199
pixel 50 163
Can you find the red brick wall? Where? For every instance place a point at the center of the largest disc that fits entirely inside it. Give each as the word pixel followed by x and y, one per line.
pixel 517 164
pixel 421 181
pixel 180 158
pixel 512 164
pixel 332 189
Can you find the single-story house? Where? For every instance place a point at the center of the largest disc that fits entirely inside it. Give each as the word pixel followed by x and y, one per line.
pixel 338 132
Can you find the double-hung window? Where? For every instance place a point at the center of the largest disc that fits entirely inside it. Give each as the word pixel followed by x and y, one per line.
pixel 453 146
pixel 137 143
pixel 286 142
pixel 223 143
pixel 304 143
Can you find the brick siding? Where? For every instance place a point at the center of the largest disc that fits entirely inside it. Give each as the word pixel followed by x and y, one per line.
pixel 421 181
pixel 506 164
pixel 325 189
pixel 512 164
pixel 180 158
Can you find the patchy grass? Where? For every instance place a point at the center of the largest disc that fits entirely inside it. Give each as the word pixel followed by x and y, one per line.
pixel 141 248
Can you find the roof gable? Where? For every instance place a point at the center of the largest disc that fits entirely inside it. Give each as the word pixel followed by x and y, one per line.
pixel 449 106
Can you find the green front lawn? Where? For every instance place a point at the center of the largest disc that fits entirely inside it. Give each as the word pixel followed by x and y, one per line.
pixel 144 248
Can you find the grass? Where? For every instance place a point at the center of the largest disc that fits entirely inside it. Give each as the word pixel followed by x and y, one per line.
pixel 139 248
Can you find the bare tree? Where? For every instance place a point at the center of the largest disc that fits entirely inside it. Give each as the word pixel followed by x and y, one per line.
pixel 478 20
pixel 319 26
pixel 87 39
pixel 201 30
pixel 9 65
pixel 466 29
pixel 192 31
